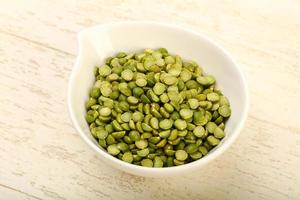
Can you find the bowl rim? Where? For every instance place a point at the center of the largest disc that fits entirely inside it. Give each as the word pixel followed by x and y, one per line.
pixel 166 170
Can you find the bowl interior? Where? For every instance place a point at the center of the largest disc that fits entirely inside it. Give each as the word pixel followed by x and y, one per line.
pixel 97 43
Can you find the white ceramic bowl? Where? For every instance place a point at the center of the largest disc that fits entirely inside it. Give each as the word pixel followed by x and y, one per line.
pixel 99 42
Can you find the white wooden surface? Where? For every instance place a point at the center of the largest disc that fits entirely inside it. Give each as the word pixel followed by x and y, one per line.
pixel 42 156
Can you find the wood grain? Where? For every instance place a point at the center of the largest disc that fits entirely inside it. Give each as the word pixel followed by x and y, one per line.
pixel 43 157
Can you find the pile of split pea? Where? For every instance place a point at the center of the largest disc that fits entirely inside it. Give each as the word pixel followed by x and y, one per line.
pixel 153 109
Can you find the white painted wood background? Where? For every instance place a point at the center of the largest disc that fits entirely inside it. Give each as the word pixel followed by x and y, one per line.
pixel 43 157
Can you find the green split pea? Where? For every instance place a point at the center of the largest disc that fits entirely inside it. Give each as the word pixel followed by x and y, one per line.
pixel 154 109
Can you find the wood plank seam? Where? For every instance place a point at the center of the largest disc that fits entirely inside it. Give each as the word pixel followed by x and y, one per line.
pixel 19 191
pixel 37 43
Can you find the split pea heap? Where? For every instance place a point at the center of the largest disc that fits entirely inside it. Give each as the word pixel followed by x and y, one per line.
pixel 155 110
